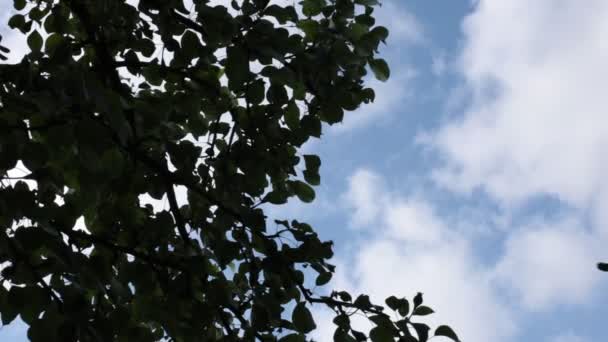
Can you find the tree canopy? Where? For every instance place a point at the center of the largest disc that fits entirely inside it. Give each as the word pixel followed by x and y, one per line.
pixel 202 106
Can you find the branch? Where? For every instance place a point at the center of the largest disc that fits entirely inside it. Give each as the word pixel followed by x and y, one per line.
pixel 177 215
pixel 76 234
pixel 35 275
pixel 191 24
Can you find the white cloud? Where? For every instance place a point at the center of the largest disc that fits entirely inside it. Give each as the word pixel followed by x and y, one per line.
pixel 403 25
pixel 366 196
pixel 438 64
pixel 411 250
pixel 548 264
pixel 537 123
pixel 536 126
pixel 411 220
pixel 567 337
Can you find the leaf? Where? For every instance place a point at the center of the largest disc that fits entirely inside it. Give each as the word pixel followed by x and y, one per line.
pixel 19 4
pixel 382 320
pixel 422 311
pixel 277 94
pixel 367 2
pixel 304 192
pixel 302 318
pixel 381 334
pixel 404 307
pixel 392 302
pixel 332 113
pixel 323 278
pixel 282 14
pixel 311 125
pixel 292 116
pixel 380 32
pixel 343 321
pixel 276 197
pixel 359 335
pixel 190 44
pixel 363 302
pixel 310 8
pixel 146 47
pixel 358 30
pixel 310 28
pixel 34 41
pixel 444 330
pixel 311 174
pixel 417 300
pixel 380 69
pixel 422 330
pixel 255 92
pixel 17 21
pixel 345 296
pixel 342 336
pixel 8 312
pixel 237 66
pixel 312 178
pixel 292 338
pixel 52 42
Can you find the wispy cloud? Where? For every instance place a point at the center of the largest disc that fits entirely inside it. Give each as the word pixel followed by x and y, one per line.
pixel 407 248
pixel 537 124
pixel 567 337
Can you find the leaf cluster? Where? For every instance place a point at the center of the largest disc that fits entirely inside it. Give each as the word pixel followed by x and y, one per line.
pixel 115 103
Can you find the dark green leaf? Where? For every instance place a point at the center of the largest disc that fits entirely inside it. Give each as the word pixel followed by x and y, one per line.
pixel 380 69
pixel 367 2
pixel 52 42
pixel 422 311
pixel 310 28
pixel 422 330
pixel 311 125
pixel 292 116
pixel 17 21
pixel 444 330
pixel 190 44
pixel 323 278
pixel 312 7
pixel 342 336
pixel 417 300
pixel 304 192
pixel 292 338
pixel 363 302
pixel 392 302
pixel 255 92
pixel 343 321
pixel 381 334
pixel 34 41
pixel 19 4
pixel 380 32
pixel 345 296
pixel 302 318
pixel 404 307
pixel 237 66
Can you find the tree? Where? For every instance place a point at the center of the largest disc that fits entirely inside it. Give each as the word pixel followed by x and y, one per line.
pixel 115 102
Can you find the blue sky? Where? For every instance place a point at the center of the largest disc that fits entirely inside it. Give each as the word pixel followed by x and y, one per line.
pixel 477 176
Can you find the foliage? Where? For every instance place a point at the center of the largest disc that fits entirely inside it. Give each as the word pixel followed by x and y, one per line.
pixel 115 102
